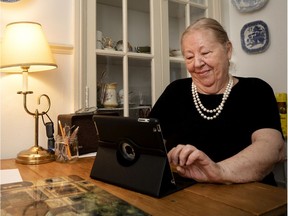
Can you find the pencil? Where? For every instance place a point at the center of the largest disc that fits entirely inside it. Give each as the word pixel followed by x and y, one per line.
pixel 65 139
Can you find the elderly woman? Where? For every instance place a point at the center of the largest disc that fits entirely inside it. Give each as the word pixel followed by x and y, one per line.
pixel 218 127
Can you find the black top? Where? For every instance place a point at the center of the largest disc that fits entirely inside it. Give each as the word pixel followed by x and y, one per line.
pixel 250 106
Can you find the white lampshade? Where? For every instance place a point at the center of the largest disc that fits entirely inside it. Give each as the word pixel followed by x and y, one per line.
pixel 24 45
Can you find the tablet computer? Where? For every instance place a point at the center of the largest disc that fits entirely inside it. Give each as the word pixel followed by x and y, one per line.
pixel 132 154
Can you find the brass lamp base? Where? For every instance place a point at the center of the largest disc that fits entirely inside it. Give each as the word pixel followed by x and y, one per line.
pixel 35 155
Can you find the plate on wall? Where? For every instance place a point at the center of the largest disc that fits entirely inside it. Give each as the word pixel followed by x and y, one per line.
pixel 245 6
pixel 255 37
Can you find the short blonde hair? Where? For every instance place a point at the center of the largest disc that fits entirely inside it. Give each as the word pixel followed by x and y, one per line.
pixel 210 24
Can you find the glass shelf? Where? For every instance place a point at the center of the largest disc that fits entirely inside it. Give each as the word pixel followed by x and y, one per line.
pixel 120 53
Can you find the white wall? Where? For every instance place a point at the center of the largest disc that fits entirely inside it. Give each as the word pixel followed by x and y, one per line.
pixel 16 126
pixel 270 65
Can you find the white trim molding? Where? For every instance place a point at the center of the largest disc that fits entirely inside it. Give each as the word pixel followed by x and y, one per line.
pixel 62 49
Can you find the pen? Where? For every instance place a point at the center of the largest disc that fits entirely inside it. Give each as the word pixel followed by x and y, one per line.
pixel 65 139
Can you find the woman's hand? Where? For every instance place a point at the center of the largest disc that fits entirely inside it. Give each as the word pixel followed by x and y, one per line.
pixel 193 163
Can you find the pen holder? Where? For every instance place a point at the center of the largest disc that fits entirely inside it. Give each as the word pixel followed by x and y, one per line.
pixel 66 150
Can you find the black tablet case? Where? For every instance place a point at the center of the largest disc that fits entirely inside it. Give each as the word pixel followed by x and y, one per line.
pixel 147 170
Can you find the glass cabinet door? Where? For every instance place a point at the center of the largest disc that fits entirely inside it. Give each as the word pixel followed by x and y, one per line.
pixel 139 57
pixel 109 23
pixel 139 82
pixel 109 58
pixel 177 24
pixel 130 50
pixel 180 15
pixel 123 56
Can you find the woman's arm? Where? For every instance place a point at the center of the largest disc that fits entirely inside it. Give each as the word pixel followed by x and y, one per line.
pixel 257 160
pixel 251 164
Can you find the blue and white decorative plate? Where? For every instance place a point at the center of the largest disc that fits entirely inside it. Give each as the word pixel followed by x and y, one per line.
pixel 255 37
pixel 245 6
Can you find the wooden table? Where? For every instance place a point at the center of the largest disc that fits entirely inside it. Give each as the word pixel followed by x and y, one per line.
pixel 199 199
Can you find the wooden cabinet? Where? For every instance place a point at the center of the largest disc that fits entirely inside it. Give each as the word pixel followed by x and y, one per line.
pixel 134 44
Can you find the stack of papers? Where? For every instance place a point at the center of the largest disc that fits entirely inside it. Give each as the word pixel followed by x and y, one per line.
pixel 10 176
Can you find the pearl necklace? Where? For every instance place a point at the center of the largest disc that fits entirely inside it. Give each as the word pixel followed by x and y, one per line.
pixel 199 106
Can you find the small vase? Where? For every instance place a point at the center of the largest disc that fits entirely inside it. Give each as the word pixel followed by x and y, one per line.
pixel 110 100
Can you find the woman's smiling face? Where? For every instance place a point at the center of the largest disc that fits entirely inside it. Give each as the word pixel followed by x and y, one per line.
pixel 206 59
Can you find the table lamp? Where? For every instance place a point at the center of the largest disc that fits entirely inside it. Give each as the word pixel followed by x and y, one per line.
pixel 25 49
